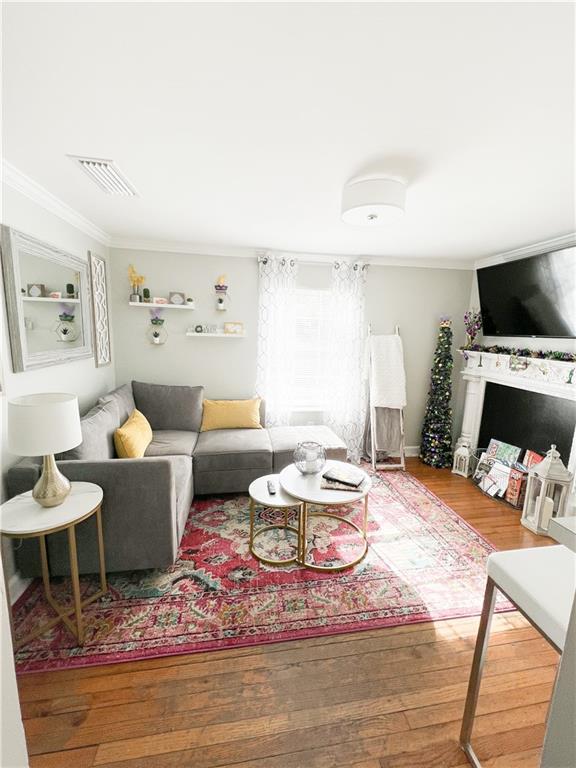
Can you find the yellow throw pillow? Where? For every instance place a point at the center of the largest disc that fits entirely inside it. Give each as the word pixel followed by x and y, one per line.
pixel 231 414
pixel 133 437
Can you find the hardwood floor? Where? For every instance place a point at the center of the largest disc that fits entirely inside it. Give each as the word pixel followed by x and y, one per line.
pixel 389 698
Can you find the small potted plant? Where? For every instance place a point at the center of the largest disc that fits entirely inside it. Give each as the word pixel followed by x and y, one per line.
pixel 70 291
pixel 65 329
pixel 156 333
pixel 136 282
pixel 472 325
pixel 146 295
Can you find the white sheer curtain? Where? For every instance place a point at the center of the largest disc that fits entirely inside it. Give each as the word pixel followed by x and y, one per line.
pixel 274 380
pixel 344 399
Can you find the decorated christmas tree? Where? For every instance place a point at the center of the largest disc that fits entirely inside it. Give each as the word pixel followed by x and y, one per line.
pixel 436 443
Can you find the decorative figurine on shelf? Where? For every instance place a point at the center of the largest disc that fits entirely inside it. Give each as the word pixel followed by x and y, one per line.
pixel 221 292
pixel 472 325
pixel 156 333
pixel 190 303
pixel 136 282
pixel 65 329
pixel 436 443
pixel 546 492
pixel 146 295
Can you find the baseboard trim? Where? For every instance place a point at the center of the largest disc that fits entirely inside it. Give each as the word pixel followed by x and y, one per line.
pixel 16 585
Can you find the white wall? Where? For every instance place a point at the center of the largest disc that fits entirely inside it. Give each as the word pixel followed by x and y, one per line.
pixel 226 367
pixel 413 298
pixel 80 377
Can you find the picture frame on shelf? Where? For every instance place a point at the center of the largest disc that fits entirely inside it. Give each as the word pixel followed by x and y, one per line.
pixel 234 329
pixel 177 297
pixel 36 290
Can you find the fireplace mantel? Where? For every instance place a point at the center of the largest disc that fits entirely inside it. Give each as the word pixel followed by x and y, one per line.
pixel 550 377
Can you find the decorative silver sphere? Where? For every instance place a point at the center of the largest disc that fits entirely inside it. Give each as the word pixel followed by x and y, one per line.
pixel 309 457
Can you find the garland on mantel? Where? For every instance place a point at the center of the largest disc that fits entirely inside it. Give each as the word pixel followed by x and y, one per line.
pixel 539 354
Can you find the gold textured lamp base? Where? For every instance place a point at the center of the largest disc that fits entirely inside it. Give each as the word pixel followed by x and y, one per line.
pixel 52 488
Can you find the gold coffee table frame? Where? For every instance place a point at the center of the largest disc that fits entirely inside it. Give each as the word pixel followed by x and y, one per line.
pixel 64 613
pixel 259 496
pixel 308 489
pixel 303 544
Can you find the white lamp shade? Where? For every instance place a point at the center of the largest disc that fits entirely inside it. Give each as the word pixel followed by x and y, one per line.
pixel 373 202
pixel 39 425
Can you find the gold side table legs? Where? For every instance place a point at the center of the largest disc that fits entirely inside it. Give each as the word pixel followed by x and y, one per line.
pixel 278 526
pixel 303 544
pixel 63 614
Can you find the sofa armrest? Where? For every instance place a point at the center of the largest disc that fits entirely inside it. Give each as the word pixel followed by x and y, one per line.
pixel 138 516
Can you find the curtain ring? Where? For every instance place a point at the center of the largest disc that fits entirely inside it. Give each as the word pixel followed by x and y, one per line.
pixel 336 265
pixel 355 267
pixel 291 262
pixel 283 262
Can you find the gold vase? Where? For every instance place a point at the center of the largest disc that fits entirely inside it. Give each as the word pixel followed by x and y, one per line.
pixel 52 487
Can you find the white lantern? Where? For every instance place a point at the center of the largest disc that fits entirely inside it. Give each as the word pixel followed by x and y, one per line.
pixel 462 454
pixel 546 492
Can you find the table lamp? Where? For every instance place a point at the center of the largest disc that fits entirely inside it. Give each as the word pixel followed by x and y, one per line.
pixel 42 425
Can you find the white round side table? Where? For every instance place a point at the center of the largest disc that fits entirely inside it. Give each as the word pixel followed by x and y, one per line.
pixel 259 495
pixel 23 518
pixel 308 489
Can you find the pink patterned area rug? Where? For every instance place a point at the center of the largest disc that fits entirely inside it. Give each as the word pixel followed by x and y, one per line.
pixel 424 563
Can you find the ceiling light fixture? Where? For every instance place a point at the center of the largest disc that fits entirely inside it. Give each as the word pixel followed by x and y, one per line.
pixel 107 175
pixel 373 202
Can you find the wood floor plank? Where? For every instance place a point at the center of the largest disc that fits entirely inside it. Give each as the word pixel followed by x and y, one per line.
pixel 389 698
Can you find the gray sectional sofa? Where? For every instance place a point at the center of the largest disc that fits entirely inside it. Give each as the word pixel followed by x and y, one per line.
pixel 147 501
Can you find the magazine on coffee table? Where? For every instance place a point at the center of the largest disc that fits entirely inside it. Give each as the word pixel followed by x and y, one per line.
pixel 332 485
pixel 348 476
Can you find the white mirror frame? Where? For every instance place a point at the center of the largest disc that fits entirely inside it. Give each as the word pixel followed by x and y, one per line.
pixel 13 244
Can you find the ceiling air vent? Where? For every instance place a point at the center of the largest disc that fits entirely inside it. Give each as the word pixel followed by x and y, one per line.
pixel 108 176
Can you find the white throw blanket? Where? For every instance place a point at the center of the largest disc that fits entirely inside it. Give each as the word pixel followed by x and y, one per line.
pixel 387 376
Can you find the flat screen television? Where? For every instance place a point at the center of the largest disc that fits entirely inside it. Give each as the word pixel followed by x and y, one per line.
pixel 535 296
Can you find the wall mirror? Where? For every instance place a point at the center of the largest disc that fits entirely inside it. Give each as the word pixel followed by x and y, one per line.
pixel 47 302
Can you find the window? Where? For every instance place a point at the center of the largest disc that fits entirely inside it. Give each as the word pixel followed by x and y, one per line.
pixel 310 344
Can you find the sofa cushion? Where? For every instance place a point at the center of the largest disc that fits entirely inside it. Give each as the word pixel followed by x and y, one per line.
pixel 124 400
pixel 133 437
pixel 231 414
pixel 285 439
pixel 225 449
pixel 98 426
pixel 170 407
pixel 172 442
pixel 183 485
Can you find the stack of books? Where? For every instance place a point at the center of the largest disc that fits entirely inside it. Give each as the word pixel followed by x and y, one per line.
pixel 342 479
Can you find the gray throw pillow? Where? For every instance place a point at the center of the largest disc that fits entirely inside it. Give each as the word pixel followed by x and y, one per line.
pixel 98 427
pixel 170 407
pixel 124 400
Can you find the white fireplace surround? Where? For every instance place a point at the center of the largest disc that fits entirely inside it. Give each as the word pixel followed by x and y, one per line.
pixel 550 377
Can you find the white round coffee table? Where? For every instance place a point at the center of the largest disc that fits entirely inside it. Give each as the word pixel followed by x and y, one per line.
pixel 307 489
pixel 23 518
pixel 259 495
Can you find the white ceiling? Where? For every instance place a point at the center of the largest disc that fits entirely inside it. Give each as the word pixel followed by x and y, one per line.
pixel 240 124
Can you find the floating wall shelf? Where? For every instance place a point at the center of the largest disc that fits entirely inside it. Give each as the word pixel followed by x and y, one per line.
pixel 159 306
pixel 49 300
pixel 217 335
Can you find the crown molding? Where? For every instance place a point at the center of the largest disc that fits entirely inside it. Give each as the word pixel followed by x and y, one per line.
pixel 176 246
pixel 199 249
pixel 554 244
pixel 26 186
